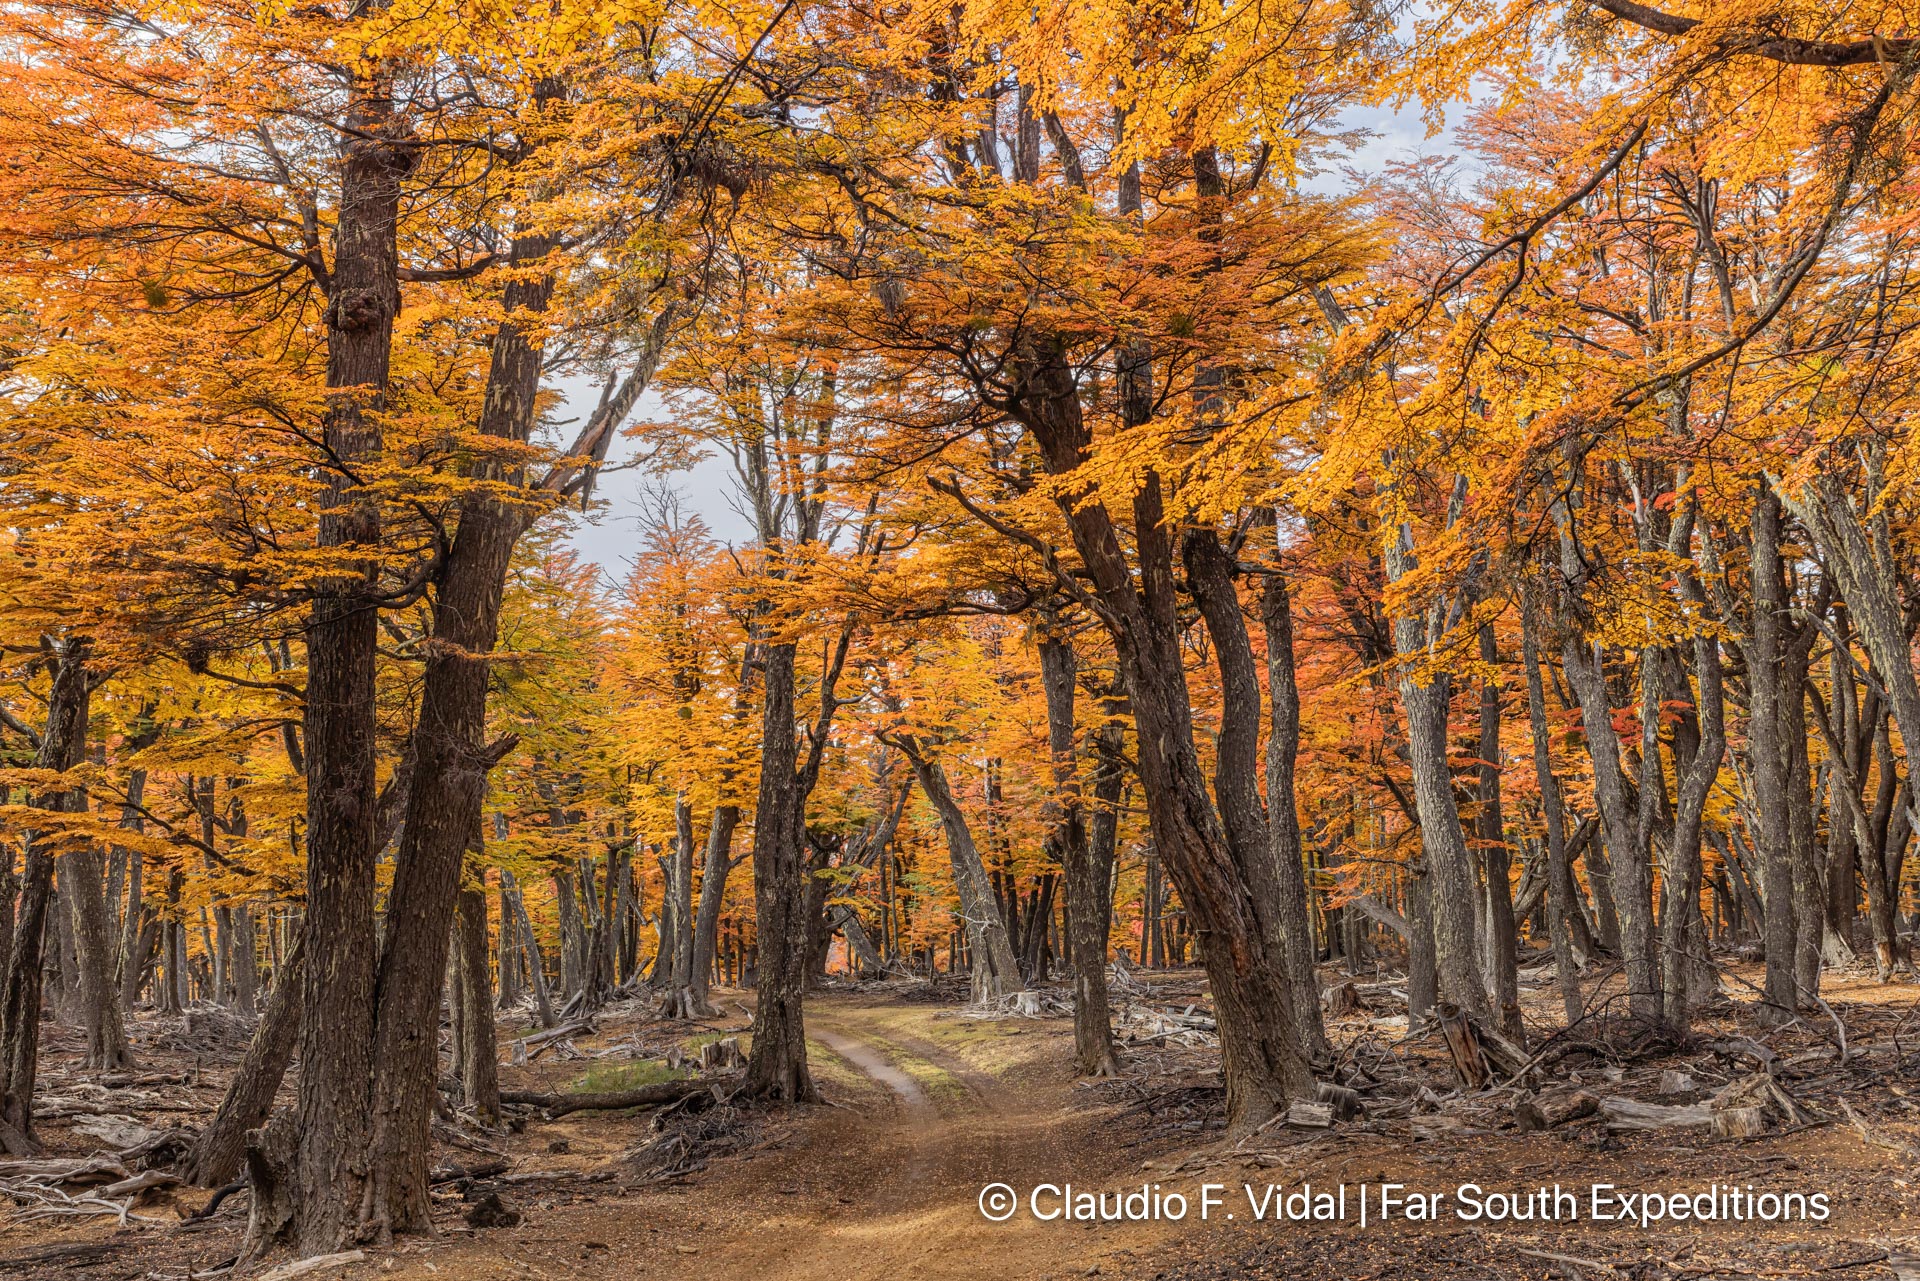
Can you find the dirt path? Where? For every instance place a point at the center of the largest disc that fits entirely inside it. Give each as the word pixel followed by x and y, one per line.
pixel 884 1185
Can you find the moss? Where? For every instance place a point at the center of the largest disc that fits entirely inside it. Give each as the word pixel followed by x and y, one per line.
pixel 632 1074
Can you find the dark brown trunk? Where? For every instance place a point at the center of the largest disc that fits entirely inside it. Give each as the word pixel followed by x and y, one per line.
pixel 1088 903
pixel 777 1067
pixel 216 1155
pixel 1771 758
pixel 319 1204
pixel 1496 856
pixel 716 863
pixel 1283 816
pixel 1265 1063
pixel 451 758
pixel 62 747
pixel 479 1060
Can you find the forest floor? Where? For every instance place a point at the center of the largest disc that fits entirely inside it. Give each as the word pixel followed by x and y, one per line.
pixel 927 1104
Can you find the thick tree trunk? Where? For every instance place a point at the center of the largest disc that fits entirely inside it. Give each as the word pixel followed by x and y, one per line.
pixel 318 1206
pixel 450 762
pixel 217 1153
pixel 777 1068
pixel 1088 901
pixel 62 747
pixel 1265 1063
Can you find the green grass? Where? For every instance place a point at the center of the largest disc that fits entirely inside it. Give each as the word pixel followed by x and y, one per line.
pixel 634 1074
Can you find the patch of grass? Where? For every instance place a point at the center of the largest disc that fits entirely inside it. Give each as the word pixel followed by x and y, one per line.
pixel 839 1077
pixel 634 1074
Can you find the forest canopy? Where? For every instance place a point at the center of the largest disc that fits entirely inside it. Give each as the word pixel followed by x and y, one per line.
pixel 1172 534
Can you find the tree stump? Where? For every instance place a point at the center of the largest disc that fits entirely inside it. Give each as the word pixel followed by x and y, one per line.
pixel 721 1056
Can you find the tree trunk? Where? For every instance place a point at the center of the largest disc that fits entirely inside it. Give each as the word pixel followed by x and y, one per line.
pixel 1264 1061
pixel 995 971
pixel 62 747
pixel 777 1068
pixel 480 1070
pixel 536 964
pixel 318 1205
pixel 1497 857
pixel 1561 906
pixel 716 863
pixel 678 1001
pixel 1771 757
pixel 1088 903
pixel 1283 817
pixel 81 882
pixel 217 1153
pixel 1423 971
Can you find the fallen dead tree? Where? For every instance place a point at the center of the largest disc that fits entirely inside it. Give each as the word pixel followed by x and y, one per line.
pixel 648 1096
pixel 1743 1108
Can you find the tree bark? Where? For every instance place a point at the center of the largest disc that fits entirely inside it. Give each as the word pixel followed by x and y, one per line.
pixel 1088 902
pixel 62 747
pixel 716 863
pixel 81 875
pixel 678 1001
pixel 995 972
pixel 217 1154
pixel 1771 757
pixel 1561 905
pixel 480 1060
pixel 1496 856
pixel 1283 817
pixel 1265 1063
pixel 777 1067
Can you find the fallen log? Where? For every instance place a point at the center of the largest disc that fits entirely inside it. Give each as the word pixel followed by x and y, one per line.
pixel 649 1096
pixel 1632 1114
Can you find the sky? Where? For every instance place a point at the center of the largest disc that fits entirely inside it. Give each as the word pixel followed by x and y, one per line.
pixel 608 535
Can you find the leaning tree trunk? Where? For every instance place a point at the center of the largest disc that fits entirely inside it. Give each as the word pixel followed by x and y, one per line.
pixel 777 1067
pixel 451 758
pixel 995 971
pixel 1088 898
pixel 1264 1061
pixel 217 1152
pixel 62 746
pixel 716 862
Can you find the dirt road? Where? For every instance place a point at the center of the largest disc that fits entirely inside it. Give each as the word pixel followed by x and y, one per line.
pixel 885 1184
